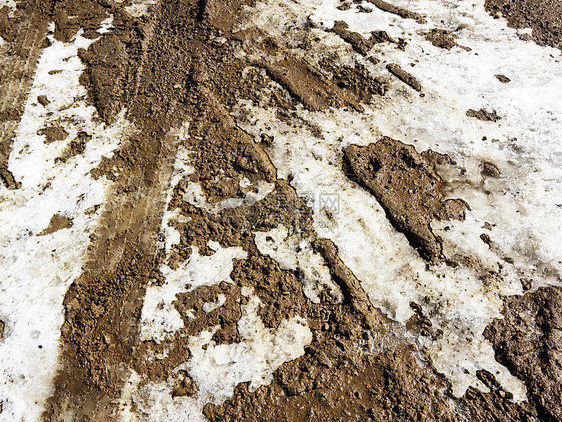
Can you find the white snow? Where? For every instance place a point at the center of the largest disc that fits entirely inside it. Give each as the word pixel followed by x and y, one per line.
pixel 218 369
pixel 523 205
pixel 35 271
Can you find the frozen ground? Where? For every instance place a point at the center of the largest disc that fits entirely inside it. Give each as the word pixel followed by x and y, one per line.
pixel 37 265
pixel 523 206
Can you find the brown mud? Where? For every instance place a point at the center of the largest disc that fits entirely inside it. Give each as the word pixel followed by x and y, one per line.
pixel 443 38
pixel 485 116
pixel 24 32
pixel 408 188
pixel 404 76
pixel 544 17
pixel 58 222
pixel 169 67
pixel 503 79
pixel 528 341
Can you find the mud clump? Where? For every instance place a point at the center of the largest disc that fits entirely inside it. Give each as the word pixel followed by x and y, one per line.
pixel 408 188
pixel 357 79
pixel 503 79
pixel 397 10
pixel 443 39
pixel 490 169
pixel 359 43
pixel 42 99
pixel 58 222
pixel 309 86
pixel 7 178
pixel 404 76
pixel 53 133
pixel 544 17
pixel 485 116
pixel 528 341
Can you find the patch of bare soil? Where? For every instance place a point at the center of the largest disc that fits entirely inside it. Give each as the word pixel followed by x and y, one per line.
pixel 58 222
pixel 528 341
pixel 485 116
pixel 544 17
pixel 409 189
pixel 24 34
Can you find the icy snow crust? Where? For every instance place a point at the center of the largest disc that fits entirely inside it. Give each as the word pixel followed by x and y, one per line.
pixel 523 205
pixel 216 369
pixel 36 270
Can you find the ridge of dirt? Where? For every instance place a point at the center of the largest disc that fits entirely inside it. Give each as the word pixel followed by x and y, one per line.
pixel 24 33
pixel 503 79
pixel 544 17
pixel 404 76
pixel 485 116
pixel 408 188
pixel 355 39
pixel 397 10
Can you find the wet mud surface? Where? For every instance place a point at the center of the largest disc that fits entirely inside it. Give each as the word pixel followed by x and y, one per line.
pixel 528 342
pixel 408 187
pixel 543 17
pixel 168 67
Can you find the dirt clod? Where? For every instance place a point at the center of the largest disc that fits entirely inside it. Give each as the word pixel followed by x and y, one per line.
pixel 503 79
pixel 490 169
pixel 441 38
pixel 53 133
pixel 58 222
pixel 485 116
pixel 404 76
pixel 42 99
pixel 409 189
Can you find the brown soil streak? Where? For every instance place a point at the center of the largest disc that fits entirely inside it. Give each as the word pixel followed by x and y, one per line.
pixel 25 34
pixel 103 305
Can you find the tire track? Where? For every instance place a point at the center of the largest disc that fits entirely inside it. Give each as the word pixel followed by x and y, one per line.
pixel 25 40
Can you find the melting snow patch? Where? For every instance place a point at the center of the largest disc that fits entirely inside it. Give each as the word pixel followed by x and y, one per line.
pixel 218 368
pixel 521 205
pixel 37 266
pixel 159 318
